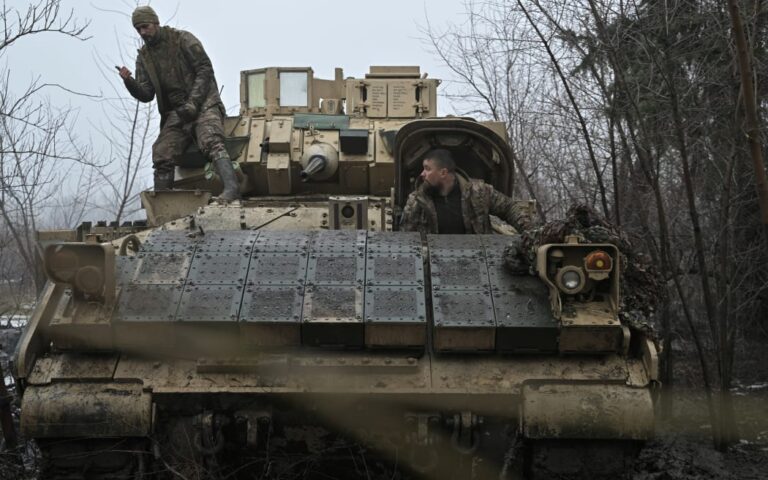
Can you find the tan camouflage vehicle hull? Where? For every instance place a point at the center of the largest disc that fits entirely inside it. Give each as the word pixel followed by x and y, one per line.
pixel 299 334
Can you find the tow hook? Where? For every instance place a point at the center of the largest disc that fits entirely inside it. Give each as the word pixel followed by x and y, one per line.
pixel 209 439
pixel 464 435
pixel 421 438
pixel 421 432
pixel 258 424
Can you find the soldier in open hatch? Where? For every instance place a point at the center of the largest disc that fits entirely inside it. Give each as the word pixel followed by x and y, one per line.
pixel 448 201
pixel 173 66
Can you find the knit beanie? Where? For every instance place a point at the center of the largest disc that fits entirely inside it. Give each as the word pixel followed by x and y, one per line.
pixel 144 14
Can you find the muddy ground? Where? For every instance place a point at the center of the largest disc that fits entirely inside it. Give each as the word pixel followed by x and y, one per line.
pixel 683 449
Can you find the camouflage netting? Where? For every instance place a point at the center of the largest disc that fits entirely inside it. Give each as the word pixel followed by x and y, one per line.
pixel 641 285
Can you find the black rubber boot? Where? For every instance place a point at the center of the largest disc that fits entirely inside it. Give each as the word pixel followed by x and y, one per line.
pixel 226 172
pixel 163 181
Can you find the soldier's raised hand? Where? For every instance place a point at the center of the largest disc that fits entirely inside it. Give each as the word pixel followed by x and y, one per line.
pixel 125 74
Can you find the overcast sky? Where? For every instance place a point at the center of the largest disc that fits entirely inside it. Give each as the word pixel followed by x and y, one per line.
pixel 238 35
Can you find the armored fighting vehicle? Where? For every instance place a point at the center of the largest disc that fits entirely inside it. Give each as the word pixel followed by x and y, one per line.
pixel 298 333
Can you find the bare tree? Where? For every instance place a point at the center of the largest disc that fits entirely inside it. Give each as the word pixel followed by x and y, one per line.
pixel 642 92
pixel 481 54
pixel 744 58
pixel 37 149
pixel 128 135
pixel 42 16
pixel 34 157
pixel 11 279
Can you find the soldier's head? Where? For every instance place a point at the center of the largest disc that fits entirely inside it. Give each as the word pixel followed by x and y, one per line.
pixel 438 170
pixel 145 22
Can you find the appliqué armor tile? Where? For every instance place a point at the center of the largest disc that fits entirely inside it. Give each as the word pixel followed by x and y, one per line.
pixel 500 277
pixel 278 269
pixel 333 316
pixel 395 304
pixel 210 303
pixel 148 303
pixel 347 241
pixel 214 268
pixel 394 268
pixel 162 268
pixel 335 268
pixel 386 242
pixel 446 246
pixel 524 319
pixel 395 317
pixel 270 316
pixel 463 321
pixel 226 241
pixel 170 241
pixel 459 273
pixel 454 242
pixel 272 304
pixel 494 246
pixel 282 241
pixel 145 316
pixel 333 303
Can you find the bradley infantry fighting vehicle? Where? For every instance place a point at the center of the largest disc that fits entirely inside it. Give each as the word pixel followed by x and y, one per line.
pixel 299 334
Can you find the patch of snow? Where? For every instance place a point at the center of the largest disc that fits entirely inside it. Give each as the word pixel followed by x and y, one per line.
pixel 757 386
pixel 15 321
pixel 743 390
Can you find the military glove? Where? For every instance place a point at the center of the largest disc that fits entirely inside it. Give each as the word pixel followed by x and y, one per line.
pixel 187 112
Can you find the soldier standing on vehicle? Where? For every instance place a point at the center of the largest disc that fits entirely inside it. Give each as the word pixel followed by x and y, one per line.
pixel 448 201
pixel 173 66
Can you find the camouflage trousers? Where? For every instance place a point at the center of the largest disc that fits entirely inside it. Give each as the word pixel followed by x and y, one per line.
pixel 207 131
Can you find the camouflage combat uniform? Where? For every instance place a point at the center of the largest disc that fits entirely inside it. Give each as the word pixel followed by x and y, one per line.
pixel 176 69
pixel 478 200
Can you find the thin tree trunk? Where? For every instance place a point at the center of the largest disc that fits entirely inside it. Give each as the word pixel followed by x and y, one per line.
pixel 582 121
pixel 614 169
pixel 666 263
pixel 669 271
pixel 728 428
pixel 127 181
pixel 609 102
pixel 750 110
pixel 721 443
pixel 666 360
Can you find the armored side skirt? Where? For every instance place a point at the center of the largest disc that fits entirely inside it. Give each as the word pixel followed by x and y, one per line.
pixel 86 410
pixel 553 399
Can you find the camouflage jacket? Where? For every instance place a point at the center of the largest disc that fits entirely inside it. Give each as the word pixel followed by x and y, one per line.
pixel 177 61
pixel 478 200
